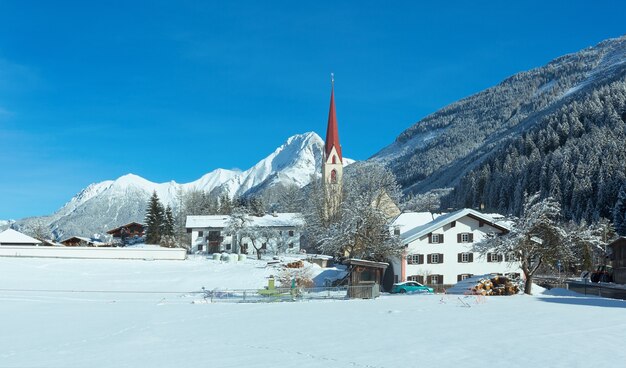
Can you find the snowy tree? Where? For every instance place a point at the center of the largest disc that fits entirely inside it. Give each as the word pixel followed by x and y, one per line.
pixel 155 217
pixel 237 223
pixel 619 211
pixel 360 229
pixel 589 242
pixel 259 237
pixel 535 238
pixel 168 238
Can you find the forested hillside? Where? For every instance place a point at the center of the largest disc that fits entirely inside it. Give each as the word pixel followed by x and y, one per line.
pixel 442 148
pixel 577 155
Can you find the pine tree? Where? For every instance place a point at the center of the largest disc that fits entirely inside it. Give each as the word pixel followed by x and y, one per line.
pixel 167 229
pixel 155 217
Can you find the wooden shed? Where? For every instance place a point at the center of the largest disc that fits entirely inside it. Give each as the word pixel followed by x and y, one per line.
pixel 365 277
pixel 619 260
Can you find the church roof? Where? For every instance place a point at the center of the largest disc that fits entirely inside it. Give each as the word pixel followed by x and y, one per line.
pixel 332 133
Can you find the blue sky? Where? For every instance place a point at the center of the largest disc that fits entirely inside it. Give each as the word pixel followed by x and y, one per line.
pixel 172 90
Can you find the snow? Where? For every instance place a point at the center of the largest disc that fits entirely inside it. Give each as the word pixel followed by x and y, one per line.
pixel 221 221
pixel 161 329
pixel 10 236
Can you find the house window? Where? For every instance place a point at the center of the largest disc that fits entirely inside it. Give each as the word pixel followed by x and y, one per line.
pixel 466 257
pixel 465 238
pixel 435 279
pixel 417 278
pixel 511 257
pixel 435 258
pixel 228 246
pixel 415 259
pixel 264 246
pixel 453 224
pixel 200 234
pixel 494 257
pixel 435 238
pixel 463 276
pixel 199 247
pixel 291 232
pixel 396 231
pixel 290 245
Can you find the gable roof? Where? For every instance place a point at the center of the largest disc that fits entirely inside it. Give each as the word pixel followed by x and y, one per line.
pixel 442 220
pixel 10 236
pixel 407 221
pixel 221 221
pixel 127 225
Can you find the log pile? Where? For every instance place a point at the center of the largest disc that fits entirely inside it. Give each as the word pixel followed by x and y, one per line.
pixel 296 264
pixel 497 285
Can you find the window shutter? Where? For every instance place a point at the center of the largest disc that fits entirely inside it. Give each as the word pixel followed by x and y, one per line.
pixel 440 257
pixel 499 257
pixel 440 279
pixel 430 238
pixel 471 257
pixel 420 259
pixel 420 279
pixel 428 259
pixel 460 257
pixel 488 257
pixel 458 238
pixel 459 278
pixel 471 237
pixel 440 238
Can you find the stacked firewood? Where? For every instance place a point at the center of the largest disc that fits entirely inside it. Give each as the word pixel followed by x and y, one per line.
pixel 497 285
pixel 296 264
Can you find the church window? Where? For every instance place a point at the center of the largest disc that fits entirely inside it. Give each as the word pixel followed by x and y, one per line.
pixel 334 159
pixel 333 176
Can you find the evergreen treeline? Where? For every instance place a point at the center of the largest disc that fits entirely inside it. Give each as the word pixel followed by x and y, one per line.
pixel 576 155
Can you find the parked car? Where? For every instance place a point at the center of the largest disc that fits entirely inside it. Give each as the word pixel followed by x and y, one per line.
pixel 411 287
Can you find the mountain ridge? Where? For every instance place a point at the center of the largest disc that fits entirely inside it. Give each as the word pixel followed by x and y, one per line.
pixel 110 203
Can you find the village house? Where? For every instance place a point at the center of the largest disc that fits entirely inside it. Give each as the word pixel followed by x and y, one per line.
pixel 208 233
pixel 10 237
pixel 79 241
pixel 439 248
pixel 122 234
pixel 618 246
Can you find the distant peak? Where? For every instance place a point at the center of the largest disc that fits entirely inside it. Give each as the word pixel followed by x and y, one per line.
pixel 131 179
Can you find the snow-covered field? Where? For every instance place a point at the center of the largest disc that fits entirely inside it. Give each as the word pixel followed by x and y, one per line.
pixel 122 329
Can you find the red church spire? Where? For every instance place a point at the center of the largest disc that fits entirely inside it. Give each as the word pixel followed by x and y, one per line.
pixel 332 134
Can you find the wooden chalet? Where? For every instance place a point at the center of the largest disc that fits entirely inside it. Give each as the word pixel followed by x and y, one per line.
pixel 619 260
pixel 128 231
pixel 79 241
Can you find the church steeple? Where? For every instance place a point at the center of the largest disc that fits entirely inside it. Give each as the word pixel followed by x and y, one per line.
pixel 332 133
pixel 332 162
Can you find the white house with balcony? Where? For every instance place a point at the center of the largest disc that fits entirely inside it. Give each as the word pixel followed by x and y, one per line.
pixel 209 234
pixel 438 247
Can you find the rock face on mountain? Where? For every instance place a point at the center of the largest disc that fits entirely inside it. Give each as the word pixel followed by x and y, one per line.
pixel 108 204
pixel 442 148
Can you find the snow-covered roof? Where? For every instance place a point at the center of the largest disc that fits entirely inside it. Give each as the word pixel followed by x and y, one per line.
pixel 408 220
pixel 10 236
pixel 270 220
pixel 86 240
pixel 421 230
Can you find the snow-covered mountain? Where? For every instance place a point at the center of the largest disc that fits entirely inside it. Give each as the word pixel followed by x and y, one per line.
pixel 105 205
pixel 437 151
pixel 4 224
